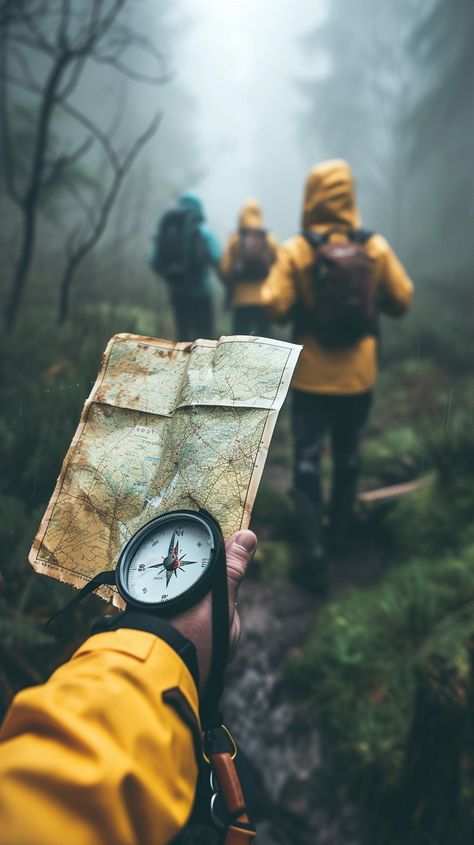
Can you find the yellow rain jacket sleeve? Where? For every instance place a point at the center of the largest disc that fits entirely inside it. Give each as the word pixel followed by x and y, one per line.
pixel 98 755
pixel 329 205
pixel 245 293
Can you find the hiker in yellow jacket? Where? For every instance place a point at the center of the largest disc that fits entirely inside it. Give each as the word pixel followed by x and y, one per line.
pixel 249 254
pixel 105 751
pixel 333 382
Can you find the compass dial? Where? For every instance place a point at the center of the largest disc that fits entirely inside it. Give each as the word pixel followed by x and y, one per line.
pixel 166 559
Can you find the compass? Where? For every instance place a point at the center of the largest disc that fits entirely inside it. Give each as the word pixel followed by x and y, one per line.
pixel 169 564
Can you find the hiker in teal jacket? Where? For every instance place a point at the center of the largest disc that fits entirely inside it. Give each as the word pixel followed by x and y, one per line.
pixel 184 251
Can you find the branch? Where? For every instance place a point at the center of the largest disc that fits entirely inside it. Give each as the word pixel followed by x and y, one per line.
pixel 25 41
pixel 110 197
pixel 41 41
pixel 98 229
pixel 130 72
pixel 124 39
pixel 20 83
pixel 96 29
pixel 64 17
pixel 91 127
pixel 25 69
pixel 99 29
pixel 74 78
pixel 73 190
pixel 63 162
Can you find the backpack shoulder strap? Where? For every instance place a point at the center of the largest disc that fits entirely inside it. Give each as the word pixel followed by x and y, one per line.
pixel 360 236
pixel 315 239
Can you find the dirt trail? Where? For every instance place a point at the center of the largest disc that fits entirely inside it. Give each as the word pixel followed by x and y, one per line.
pixel 280 735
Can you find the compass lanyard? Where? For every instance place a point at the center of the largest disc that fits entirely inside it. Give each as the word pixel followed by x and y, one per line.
pixel 209 711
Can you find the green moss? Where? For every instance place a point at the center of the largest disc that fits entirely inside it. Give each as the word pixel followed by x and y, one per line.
pixel 273 560
pixel 358 666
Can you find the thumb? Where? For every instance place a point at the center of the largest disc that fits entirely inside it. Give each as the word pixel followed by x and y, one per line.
pixel 240 549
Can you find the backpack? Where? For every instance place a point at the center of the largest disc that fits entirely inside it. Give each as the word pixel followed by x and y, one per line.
pixel 252 256
pixel 181 254
pixel 344 308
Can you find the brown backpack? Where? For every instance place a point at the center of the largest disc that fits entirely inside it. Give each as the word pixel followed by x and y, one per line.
pixel 252 256
pixel 344 308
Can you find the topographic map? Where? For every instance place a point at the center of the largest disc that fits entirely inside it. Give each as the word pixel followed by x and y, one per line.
pixel 166 426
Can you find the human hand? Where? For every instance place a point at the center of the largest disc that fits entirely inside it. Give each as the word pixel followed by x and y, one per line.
pixel 196 623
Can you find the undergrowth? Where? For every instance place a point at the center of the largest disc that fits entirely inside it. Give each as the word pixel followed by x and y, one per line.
pixel 360 663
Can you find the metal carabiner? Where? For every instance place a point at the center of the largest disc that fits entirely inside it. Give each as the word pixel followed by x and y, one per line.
pixel 214 815
pixel 213 783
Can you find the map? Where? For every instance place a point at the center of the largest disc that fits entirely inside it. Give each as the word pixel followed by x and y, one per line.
pixel 166 426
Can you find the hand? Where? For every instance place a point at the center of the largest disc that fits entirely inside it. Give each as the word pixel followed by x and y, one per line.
pixel 196 623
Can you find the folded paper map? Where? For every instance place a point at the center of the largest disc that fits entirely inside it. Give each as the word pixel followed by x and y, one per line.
pixel 166 426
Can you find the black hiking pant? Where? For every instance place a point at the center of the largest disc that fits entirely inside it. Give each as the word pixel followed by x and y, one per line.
pixel 194 316
pixel 314 416
pixel 251 319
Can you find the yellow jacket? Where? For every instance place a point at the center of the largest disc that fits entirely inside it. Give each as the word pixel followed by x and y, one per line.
pixel 245 293
pixel 98 755
pixel 329 203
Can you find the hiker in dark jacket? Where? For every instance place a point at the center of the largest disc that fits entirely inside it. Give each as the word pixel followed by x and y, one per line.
pixel 184 251
pixel 249 254
pixel 336 372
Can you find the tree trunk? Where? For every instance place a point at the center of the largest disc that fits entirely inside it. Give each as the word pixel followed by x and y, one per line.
pixel 32 195
pixel 22 268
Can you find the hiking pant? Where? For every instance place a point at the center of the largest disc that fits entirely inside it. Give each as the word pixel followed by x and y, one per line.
pixel 251 319
pixel 194 316
pixel 315 415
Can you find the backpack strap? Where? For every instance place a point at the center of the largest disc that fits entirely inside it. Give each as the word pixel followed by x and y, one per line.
pixel 360 236
pixel 258 230
pixel 315 239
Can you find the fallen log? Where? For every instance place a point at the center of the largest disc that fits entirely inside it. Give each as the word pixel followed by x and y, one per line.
pixel 395 491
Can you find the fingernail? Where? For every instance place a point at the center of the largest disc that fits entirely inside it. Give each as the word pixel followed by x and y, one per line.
pixel 246 540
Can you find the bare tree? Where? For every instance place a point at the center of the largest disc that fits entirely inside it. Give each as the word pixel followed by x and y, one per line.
pixel 80 247
pixel 65 40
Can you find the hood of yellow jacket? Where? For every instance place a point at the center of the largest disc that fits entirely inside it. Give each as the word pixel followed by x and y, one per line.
pixel 329 197
pixel 251 215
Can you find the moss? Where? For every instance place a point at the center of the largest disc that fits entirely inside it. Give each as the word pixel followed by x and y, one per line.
pixel 358 666
pixel 273 560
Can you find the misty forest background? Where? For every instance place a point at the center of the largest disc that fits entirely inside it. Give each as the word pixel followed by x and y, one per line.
pixel 105 116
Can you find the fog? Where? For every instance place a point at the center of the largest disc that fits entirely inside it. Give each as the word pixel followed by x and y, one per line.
pixel 241 62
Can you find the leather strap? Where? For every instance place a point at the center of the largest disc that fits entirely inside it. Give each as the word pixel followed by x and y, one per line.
pixel 239 830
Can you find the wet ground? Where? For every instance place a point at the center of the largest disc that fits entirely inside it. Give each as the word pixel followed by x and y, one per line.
pixel 280 734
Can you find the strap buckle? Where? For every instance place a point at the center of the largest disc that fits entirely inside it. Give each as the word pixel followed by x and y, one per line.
pixel 218 739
